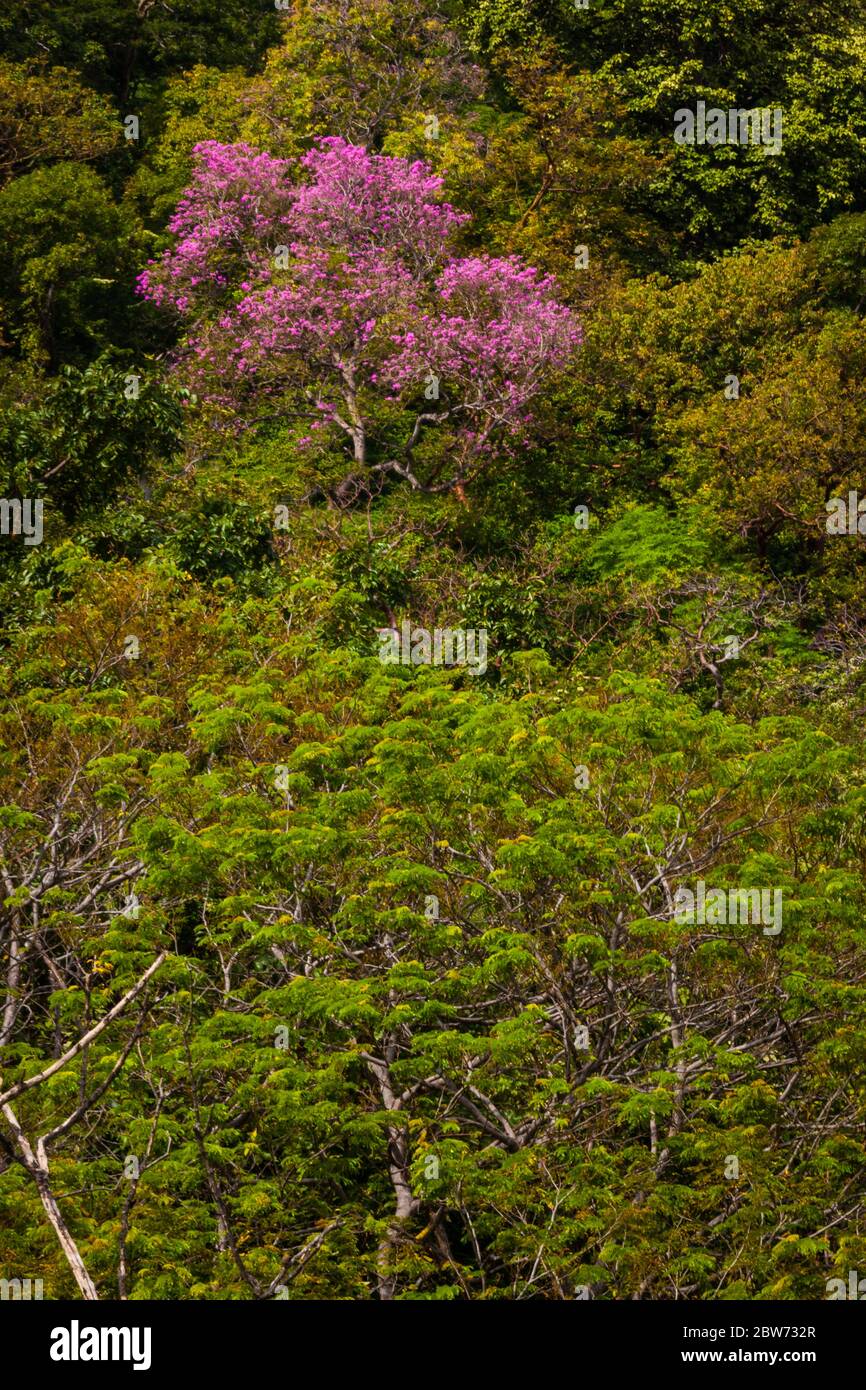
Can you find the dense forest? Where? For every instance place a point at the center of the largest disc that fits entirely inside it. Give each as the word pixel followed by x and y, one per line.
pixel 433 626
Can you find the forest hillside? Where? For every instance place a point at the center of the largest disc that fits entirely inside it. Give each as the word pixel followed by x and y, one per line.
pixel 433 623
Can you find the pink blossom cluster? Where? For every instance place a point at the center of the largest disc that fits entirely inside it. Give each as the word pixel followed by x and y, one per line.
pixel 234 212
pixel 324 323
pixel 500 334
pixel 373 204
pixel 369 299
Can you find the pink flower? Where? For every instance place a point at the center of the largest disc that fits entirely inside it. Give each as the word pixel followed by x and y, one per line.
pixel 372 293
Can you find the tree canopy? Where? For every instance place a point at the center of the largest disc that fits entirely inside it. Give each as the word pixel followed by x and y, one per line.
pixel 338 341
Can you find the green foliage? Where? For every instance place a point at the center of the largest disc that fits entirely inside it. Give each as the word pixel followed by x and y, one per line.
pixel 65 280
pixel 87 433
pixel 222 539
pixel 121 45
pixel 48 114
pixel 662 56
pixel 428 1026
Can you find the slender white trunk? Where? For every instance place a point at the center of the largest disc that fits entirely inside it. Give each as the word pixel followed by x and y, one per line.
pixel 37 1165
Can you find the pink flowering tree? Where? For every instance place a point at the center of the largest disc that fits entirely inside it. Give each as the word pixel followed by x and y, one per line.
pixel 338 297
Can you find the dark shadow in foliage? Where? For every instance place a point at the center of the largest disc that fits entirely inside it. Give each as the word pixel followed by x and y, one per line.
pixel 122 45
pixel 223 539
pixel 87 435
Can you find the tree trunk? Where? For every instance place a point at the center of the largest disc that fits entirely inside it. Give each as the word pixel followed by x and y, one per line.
pixel 37 1166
